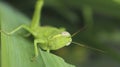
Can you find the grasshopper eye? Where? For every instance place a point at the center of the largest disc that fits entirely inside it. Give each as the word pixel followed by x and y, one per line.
pixel 65 34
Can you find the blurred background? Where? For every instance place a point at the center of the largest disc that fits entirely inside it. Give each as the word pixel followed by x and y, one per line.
pixel 98 21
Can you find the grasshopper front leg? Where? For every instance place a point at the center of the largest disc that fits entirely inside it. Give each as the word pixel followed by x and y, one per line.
pixel 36 41
pixel 35 47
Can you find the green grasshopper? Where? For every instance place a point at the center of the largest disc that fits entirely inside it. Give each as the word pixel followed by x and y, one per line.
pixel 47 37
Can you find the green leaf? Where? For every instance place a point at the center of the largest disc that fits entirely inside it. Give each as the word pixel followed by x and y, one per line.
pixel 17 50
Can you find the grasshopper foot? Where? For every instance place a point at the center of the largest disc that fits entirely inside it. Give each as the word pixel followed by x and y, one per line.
pixel 34 58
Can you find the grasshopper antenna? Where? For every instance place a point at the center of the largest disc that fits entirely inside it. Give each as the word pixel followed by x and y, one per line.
pixel 75 33
pixel 78 31
pixel 88 47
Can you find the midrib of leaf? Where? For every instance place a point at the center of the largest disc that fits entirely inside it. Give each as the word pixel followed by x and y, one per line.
pixel 17 50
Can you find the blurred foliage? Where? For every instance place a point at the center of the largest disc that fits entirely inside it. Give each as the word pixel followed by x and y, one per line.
pixel 98 21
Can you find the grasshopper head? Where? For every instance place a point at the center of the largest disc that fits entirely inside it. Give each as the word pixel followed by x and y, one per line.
pixel 60 40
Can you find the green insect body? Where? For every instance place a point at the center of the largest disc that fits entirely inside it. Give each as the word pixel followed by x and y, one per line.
pixel 47 37
pixel 51 38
